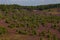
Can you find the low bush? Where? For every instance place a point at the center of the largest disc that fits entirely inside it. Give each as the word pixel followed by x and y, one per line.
pixel 21 32
pixel 54 26
pixel 34 32
pixel 2 30
pixel 11 26
pixel 55 37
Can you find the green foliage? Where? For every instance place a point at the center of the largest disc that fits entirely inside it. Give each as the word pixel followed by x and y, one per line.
pixel 39 7
pixel 42 34
pixel 54 26
pixel 1 16
pixel 21 32
pixel 7 20
pixel 22 17
pixel 55 37
pixel 34 32
pixel 41 38
pixel 2 30
pixel 12 26
pixel 58 29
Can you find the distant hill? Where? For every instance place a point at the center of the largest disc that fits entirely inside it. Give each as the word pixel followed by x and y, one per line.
pixel 39 7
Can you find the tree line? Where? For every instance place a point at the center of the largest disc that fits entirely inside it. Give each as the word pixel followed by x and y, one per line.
pixel 39 7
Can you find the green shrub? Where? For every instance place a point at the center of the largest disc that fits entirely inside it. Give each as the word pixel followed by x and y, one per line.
pixel 48 36
pixel 54 26
pixel 41 38
pixel 1 16
pixel 7 21
pixel 21 25
pixel 21 32
pixel 43 24
pixel 34 32
pixel 58 29
pixel 42 34
pixel 12 26
pixel 2 30
pixel 55 37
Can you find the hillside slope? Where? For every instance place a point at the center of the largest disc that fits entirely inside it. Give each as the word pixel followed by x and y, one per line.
pixel 18 23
